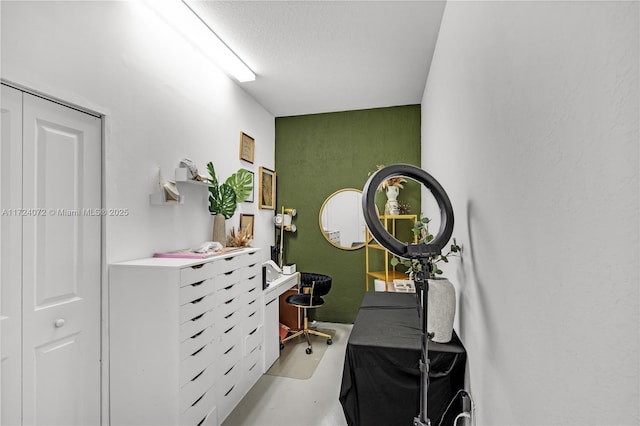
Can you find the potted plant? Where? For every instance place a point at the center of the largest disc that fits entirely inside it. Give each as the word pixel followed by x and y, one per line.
pixel 224 198
pixel 442 297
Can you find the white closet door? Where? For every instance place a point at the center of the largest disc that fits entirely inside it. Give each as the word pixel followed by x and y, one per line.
pixel 11 256
pixel 61 265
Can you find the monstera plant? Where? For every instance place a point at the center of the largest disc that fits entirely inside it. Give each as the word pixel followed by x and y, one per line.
pixel 224 198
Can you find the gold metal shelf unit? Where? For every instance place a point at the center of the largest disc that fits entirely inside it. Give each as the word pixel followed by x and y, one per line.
pixel 389 273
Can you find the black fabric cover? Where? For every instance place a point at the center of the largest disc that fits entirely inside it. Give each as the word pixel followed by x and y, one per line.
pixel 381 376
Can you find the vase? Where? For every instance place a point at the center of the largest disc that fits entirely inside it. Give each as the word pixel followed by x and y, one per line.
pixel 441 309
pixel 392 200
pixel 219 230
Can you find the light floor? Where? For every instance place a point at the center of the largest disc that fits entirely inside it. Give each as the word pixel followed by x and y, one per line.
pixel 281 401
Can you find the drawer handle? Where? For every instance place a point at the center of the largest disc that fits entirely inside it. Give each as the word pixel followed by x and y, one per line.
pixel 197 284
pixel 229 330
pixel 197 300
pixel 197 266
pixel 253 289
pixel 196 352
pixel 252 314
pixel 229 350
pixel 229 391
pixel 229 258
pixel 197 334
pixel 229 301
pixel 202 421
pixel 252 253
pixel 253 366
pixel 254 330
pixel 251 266
pixel 252 302
pixel 229 370
pixel 197 375
pixel 230 272
pixel 198 400
pixel 229 287
pixel 230 315
pixel 197 318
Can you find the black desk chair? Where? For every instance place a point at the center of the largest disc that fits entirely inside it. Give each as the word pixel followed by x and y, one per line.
pixel 313 287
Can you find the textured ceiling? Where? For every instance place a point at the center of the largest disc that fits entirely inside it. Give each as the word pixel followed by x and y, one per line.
pixel 324 56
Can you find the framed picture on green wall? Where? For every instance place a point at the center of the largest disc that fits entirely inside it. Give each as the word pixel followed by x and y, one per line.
pixel 267 189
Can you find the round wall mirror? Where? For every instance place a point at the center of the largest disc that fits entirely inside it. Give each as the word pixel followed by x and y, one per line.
pixel 341 219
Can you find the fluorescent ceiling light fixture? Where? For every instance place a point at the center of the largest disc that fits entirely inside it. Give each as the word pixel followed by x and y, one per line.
pixel 179 15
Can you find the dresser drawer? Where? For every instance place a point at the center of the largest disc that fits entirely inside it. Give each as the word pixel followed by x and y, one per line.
pixel 227 360
pixel 197 273
pixel 252 286
pixel 228 339
pixel 196 290
pixel 195 342
pixel 211 419
pixel 196 362
pixel 224 322
pixel 197 324
pixel 252 368
pixel 197 307
pixel 196 387
pixel 252 317
pixel 229 291
pixel 228 305
pixel 228 391
pixel 252 340
pixel 200 408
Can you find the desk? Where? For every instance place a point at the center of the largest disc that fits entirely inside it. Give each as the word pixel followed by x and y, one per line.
pixel 381 378
pixel 271 294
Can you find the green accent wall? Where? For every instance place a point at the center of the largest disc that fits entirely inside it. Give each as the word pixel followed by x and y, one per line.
pixel 319 154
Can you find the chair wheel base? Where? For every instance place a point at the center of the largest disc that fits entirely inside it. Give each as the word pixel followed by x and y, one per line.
pixel 308 351
pixel 329 341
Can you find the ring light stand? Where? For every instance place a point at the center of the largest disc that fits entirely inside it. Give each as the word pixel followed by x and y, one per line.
pixel 420 252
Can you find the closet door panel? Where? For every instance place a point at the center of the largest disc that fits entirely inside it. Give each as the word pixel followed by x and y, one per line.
pixel 11 255
pixel 61 268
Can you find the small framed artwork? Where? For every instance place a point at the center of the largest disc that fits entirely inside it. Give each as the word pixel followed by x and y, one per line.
pixel 267 189
pixel 253 187
pixel 247 147
pixel 246 220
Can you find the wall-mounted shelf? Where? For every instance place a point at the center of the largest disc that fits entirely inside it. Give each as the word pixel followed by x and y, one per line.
pixel 181 177
pixel 180 173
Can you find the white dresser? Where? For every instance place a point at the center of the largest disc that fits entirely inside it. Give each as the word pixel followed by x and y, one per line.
pixel 186 337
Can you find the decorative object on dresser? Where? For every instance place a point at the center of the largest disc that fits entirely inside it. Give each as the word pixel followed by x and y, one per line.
pixel 224 198
pixel 186 337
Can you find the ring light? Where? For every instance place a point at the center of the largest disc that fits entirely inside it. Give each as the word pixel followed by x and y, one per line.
pixel 420 252
pixel 383 237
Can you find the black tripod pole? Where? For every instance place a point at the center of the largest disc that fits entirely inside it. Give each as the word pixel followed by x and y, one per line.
pixel 423 286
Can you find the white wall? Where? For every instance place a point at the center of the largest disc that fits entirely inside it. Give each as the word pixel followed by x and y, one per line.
pixel 163 101
pixel 530 122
